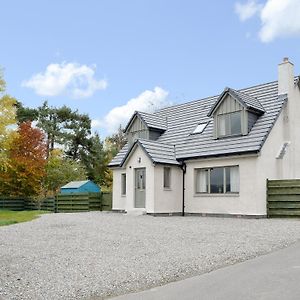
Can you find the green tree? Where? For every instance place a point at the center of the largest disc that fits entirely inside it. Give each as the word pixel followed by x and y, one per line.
pixel 113 144
pixel 77 135
pixel 65 127
pixel 25 114
pixel 95 159
pixel 61 170
pixel 116 142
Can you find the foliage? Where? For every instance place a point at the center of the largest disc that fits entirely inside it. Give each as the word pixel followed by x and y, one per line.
pixel 113 144
pixel 27 160
pixel 34 166
pixel 2 82
pixel 8 217
pixel 116 142
pixel 62 126
pixel 7 119
pixel 95 159
pixel 61 170
pixel 25 114
pixel 76 135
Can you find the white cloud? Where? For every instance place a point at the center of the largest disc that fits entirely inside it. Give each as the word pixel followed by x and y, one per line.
pixel 279 18
pixel 147 101
pixel 247 10
pixel 66 78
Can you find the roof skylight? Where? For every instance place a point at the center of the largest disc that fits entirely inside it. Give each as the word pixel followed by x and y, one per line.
pixel 200 128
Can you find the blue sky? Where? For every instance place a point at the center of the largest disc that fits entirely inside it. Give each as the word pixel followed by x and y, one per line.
pixel 108 58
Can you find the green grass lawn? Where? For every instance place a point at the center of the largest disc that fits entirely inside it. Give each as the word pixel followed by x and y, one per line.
pixel 8 217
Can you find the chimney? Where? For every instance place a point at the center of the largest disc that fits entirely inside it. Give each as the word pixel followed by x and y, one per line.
pixel 285 76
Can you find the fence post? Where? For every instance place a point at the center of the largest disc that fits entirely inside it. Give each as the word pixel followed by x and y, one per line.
pixel 101 200
pixel 267 202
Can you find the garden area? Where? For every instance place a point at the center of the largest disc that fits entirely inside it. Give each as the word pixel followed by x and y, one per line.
pixel 8 217
pixel 46 147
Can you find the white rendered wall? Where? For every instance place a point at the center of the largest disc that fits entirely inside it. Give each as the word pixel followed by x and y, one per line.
pixel 254 171
pixel 118 201
pixel 132 163
pixel 246 202
pixel 168 200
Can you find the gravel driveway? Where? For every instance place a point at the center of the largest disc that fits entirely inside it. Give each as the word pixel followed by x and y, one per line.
pixel 94 255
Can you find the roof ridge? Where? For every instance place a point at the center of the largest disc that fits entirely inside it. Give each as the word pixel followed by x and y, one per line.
pixel 152 141
pixel 215 96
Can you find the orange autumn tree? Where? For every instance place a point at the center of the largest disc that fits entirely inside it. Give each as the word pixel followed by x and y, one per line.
pixel 27 161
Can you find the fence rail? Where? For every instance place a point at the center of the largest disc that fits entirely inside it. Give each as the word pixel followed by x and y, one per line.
pixel 12 203
pixel 75 202
pixel 283 198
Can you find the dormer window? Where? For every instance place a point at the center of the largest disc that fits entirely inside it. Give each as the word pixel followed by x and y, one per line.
pixel 145 126
pixel 230 124
pixel 234 113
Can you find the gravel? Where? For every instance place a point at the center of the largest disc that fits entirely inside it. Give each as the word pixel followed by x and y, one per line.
pixel 96 255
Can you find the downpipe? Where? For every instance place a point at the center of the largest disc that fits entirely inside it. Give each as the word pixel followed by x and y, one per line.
pixel 183 168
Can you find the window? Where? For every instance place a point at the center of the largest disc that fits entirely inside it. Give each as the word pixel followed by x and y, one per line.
pixel 229 124
pixel 167 177
pixel 123 184
pixel 200 128
pixel 218 180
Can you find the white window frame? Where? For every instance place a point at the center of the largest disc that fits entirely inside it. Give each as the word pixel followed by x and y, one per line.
pixel 208 170
pixel 123 184
pixel 200 128
pixel 169 179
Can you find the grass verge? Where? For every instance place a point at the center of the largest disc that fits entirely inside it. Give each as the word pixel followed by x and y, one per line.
pixel 8 217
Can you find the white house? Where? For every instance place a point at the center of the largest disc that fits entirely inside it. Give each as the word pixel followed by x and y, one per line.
pixel 212 156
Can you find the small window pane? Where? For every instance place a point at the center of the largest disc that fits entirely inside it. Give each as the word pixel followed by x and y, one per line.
pixel 167 177
pixel 232 179
pixel 221 125
pixel 123 184
pixel 235 123
pixel 227 174
pixel 200 128
pixel 217 180
pixel 202 181
pixel 142 179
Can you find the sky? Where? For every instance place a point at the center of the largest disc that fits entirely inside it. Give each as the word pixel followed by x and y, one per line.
pixel 108 58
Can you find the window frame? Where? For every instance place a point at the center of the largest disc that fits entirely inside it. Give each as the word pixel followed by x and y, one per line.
pixel 208 170
pixel 204 125
pixel 228 115
pixel 169 178
pixel 123 184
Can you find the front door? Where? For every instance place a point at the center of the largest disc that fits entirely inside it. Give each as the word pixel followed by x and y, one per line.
pixel 140 187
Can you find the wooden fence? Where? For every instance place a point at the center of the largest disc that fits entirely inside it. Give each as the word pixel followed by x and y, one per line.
pixel 78 202
pixel 283 198
pixel 61 203
pixel 106 201
pixel 12 203
pixel 46 204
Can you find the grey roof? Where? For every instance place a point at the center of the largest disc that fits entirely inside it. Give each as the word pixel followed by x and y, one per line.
pixel 157 152
pixel 116 161
pixel 183 118
pixel 248 101
pixel 74 184
pixel 150 120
